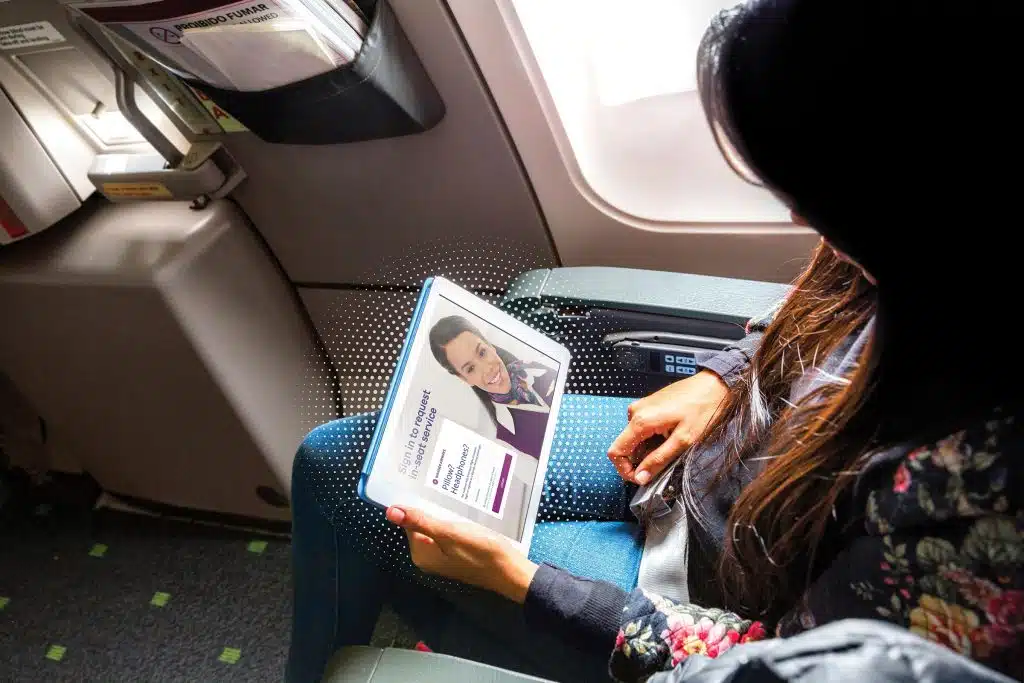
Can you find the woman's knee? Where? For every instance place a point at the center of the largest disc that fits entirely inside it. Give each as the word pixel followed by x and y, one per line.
pixel 326 468
pixel 335 449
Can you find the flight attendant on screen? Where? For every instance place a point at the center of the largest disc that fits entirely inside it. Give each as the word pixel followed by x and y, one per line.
pixel 516 394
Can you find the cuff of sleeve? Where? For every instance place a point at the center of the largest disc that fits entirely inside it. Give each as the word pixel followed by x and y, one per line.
pixel 538 597
pixel 728 365
pixel 582 610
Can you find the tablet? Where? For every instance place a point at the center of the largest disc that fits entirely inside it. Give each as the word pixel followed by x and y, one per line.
pixel 467 424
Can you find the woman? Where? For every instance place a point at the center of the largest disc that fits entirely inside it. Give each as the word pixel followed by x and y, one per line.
pixel 515 394
pixel 892 492
pixel 585 518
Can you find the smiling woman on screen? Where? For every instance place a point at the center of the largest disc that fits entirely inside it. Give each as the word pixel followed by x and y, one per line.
pixel 515 393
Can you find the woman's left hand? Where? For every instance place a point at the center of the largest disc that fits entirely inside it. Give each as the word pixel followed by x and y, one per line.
pixel 465 552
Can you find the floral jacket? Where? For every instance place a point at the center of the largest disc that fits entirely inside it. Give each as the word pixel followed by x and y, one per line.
pixel 941 554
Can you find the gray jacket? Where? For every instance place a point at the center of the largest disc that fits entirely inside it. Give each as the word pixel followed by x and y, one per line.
pixel 849 651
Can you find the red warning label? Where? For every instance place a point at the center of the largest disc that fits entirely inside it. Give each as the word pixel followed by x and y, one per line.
pixel 225 120
pixel 11 227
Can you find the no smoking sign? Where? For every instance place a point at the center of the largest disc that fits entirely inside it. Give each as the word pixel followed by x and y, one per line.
pixel 165 35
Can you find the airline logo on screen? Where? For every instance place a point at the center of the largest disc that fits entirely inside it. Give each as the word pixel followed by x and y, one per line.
pixel 471 469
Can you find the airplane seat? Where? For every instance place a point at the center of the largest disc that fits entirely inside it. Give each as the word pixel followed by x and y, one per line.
pixel 166 353
pixel 621 325
pixel 360 664
pixel 614 320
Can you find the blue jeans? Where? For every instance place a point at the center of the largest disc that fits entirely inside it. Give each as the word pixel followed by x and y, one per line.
pixel 348 560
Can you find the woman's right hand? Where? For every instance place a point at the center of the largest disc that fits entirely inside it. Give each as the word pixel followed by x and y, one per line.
pixel 680 412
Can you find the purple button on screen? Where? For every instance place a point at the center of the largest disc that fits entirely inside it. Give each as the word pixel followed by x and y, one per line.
pixel 502 482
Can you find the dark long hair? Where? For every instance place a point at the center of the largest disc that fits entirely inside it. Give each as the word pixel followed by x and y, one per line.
pixel 788 503
pixel 443 332
pixel 839 107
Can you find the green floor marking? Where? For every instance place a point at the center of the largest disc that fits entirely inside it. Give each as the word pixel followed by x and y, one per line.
pixel 257 546
pixel 160 599
pixel 56 652
pixel 4 602
pixel 98 550
pixel 230 655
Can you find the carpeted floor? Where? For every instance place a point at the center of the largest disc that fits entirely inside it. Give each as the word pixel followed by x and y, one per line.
pixel 114 597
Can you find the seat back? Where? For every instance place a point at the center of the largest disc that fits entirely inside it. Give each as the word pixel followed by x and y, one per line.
pixel 375 665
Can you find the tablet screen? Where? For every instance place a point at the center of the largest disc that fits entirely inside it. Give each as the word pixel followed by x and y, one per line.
pixel 467 431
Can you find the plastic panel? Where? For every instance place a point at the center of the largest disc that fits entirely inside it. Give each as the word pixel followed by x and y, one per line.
pixel 167 353
pixel 371 665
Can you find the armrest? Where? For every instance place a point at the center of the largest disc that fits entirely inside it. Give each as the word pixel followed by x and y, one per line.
pixel 700 297
pixel 633 331
pixel 374 665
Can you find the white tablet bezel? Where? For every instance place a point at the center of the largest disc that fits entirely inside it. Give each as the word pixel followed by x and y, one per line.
pixel 379 490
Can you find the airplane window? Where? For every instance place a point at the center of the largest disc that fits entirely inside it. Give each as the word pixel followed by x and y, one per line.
pixel 622 78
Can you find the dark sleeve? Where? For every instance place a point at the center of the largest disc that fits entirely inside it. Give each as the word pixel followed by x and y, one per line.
pixel 582 611
pixel 644 633
pixel 730 362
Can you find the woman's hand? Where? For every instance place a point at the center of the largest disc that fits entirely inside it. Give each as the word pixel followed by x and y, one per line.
pixel 465 552
pixel 680 412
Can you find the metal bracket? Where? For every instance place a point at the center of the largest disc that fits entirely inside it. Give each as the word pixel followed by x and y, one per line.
pixel 125 91
pixel 206 173
pixel 105 46
pixel 233 180
pixel 181 170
